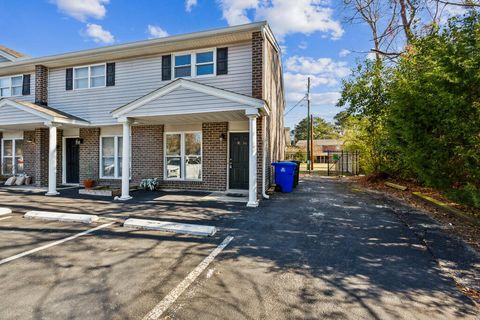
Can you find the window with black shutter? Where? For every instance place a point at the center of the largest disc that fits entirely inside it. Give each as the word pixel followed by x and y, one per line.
pixel 69 79
pixel 26 85
pixel 110 74
pixel 222 61
pixel 166 67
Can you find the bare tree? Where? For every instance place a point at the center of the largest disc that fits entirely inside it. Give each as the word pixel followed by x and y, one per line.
pixel 394 23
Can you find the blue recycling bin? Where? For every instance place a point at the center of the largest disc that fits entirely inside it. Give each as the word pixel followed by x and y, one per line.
pixel 285 175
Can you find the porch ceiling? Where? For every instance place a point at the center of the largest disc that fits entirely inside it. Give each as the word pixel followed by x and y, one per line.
pixel 237 115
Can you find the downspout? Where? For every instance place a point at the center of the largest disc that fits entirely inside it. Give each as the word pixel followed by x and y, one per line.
pixel 264 121
pixel 264 173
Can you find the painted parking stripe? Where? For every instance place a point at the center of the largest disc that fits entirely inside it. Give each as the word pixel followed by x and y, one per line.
pixel 49 245
pixel 163 305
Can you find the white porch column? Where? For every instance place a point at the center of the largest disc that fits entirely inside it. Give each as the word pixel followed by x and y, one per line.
pixel 252 167
pixel 52 160
pixel 126 161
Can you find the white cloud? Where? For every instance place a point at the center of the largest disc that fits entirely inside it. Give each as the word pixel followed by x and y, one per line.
pixel 325 98
pixel 344 53
pixel 156 32
pixel 235 11
pixel 98 34
pixel 371 56
pixel 83 9
pixel 285 16
pixel 303 45
pixel 324 67
pixel 189 4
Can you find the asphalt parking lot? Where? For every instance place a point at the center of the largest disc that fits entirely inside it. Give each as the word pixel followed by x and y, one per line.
pixel 321 252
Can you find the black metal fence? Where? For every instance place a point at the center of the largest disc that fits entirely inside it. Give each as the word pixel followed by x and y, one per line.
pixel 343 162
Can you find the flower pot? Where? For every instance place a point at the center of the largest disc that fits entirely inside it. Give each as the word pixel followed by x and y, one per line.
pixel 88 184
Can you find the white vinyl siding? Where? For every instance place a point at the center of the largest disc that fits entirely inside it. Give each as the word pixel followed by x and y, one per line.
pixel 192 102
pixel 138 76
pixel 11 115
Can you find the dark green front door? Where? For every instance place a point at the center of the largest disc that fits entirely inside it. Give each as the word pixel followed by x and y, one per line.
pixel 238 176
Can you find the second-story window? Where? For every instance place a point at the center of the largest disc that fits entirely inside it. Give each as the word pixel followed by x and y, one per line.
pixel 204 63
pixel 194 64
pixel 183 65
pixel 89 77
pixel 11 86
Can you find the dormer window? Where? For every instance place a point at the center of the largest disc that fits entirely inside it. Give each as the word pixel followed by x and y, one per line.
pixel 89 77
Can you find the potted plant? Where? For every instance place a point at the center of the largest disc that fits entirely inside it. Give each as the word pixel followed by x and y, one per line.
pixel 88 183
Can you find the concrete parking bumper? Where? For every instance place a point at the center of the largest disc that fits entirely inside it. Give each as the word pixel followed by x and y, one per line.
pixel 60 216
pixel 193 229
pixel 4 211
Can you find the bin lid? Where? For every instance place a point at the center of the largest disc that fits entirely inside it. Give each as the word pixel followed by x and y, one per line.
pixel 286 163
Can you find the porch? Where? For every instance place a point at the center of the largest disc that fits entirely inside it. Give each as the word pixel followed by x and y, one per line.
pixel 180 134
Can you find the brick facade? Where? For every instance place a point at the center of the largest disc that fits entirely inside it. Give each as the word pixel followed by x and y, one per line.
pixel 89 154
pixel 147 152
pixel 214 153
pixel 41 85
pixel 257 65
pixel 257 92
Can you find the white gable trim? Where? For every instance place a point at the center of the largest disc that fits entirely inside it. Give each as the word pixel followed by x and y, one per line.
pixel 249 102
pixel 44 117
pixel 8 56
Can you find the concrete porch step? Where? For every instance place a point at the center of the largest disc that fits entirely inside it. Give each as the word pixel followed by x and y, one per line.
pixel 184 228
pixel 61 216
pixel 4 211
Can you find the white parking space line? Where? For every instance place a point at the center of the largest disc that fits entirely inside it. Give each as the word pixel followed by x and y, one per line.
pixel 49 245
pixel 4 218
pixel 163 305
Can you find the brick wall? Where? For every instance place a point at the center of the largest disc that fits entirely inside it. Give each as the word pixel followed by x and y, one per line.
pixel 257 65
pixel 147 152
pixel 41 157
pixel 214 160
pixel 89 153
pixel 41 85
pixel 29 155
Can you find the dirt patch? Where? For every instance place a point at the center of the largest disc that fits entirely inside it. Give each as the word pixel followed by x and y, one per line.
pixel 466 230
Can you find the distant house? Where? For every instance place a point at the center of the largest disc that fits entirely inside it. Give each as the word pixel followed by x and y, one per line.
pixel 322 148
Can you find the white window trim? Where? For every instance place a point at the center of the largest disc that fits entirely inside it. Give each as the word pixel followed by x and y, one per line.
pixel 12 157
pixel 182 155
pixel 89 76
pixel 11 87
pixel 193 63
pixel 116 175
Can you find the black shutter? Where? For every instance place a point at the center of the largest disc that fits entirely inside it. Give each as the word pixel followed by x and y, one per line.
pixel 26 85
pixel 69 79
pixel 166 67
pixel 222 61
pixel 110 74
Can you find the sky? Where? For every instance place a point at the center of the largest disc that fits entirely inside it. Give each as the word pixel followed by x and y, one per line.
pixel 316 41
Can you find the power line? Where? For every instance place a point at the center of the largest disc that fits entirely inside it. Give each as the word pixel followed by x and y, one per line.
pixel 295 105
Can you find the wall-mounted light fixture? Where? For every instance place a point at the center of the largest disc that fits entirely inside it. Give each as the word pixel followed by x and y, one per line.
pixel 222 137
pixel 78 141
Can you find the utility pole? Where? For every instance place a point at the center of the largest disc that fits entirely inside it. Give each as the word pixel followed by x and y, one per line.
pixel 311 143
pixel 308 125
